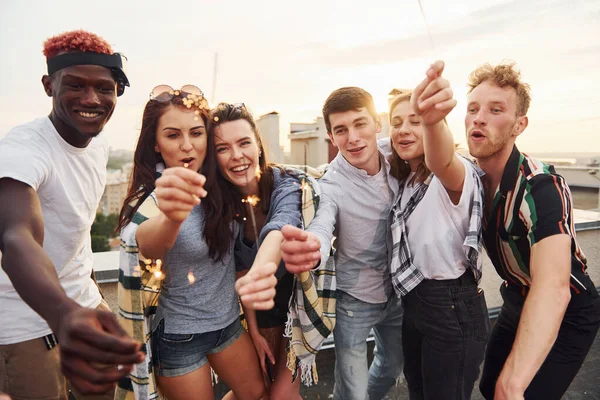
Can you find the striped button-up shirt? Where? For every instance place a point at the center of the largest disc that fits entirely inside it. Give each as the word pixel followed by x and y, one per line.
pixel 531 203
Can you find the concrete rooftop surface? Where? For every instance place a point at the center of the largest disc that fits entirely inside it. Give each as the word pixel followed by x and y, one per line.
pixel 586 385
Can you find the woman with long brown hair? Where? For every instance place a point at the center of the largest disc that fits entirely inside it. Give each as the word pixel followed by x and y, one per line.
pixel 267 197
pixel 185 253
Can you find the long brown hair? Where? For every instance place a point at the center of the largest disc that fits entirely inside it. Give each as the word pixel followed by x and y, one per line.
pixel 399 168
pixel 225 112
pixel 143 178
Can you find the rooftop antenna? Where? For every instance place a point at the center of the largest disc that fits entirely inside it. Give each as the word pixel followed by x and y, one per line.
pixel 214 83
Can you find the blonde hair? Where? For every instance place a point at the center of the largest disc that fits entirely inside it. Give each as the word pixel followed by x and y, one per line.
pixel 503 75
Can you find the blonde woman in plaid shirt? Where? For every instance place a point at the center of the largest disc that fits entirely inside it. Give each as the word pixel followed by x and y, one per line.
pixel 436 260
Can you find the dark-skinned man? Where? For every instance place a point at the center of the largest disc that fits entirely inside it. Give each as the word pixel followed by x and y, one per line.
pixel 55 324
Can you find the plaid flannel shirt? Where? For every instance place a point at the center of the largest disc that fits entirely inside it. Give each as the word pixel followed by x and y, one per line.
pixel 404 273
pixel 311 316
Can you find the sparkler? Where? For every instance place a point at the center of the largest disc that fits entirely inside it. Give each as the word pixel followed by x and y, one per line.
pixel 426 26
pixel 196 198
pixel 152 266
pixel 304 185
pixel 253 200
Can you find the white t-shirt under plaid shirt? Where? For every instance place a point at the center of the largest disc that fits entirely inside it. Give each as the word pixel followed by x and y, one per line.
pixel 438 228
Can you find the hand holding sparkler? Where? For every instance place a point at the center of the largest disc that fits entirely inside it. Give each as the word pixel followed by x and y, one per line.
pixel 300 250
pixel 95 351
pixel 257 288
pixel 433 99
pixel 178 191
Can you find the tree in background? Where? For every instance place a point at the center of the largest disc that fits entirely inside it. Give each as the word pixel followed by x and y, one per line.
pixel 103 229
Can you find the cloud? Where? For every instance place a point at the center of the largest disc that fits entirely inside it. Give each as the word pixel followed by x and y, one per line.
pixel 492 24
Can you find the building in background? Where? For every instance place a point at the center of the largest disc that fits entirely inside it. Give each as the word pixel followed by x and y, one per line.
pixel 310 144
pixel 268 126
pixel 117 183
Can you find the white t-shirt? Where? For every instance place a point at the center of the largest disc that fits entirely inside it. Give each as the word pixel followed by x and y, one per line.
pixel 69 182
pixel 437 228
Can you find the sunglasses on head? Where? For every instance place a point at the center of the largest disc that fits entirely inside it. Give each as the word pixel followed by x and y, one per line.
pixel 192 95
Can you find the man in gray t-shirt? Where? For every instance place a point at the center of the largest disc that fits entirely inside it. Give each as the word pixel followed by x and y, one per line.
pixel 357 194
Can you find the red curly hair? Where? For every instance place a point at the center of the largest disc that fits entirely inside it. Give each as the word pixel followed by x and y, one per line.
pixel 79 40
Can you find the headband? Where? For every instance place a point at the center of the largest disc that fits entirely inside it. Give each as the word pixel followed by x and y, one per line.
pixel 116 63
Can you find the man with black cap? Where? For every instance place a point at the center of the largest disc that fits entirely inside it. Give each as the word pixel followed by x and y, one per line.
pixel 52 175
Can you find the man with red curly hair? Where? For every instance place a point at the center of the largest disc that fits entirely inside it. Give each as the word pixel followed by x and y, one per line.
pixel 52 175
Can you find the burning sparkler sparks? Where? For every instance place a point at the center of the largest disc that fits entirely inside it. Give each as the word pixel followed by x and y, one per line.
pixel 153 266
pixel 253 201
pixel 191 277
pixel 258 173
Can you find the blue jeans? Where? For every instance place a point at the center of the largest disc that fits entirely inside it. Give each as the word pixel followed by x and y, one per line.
pixel 354 321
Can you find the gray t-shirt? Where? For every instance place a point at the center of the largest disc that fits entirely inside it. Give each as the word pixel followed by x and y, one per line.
pixel 210 302
pixel 355 207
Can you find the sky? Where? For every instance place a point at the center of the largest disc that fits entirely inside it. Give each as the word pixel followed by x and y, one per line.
pixel 288 56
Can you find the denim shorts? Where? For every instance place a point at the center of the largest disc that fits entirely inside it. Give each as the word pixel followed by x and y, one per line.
pixel 175 354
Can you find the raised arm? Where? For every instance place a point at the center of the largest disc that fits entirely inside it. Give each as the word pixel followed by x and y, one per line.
pixel 285 209
pixel 86 336
pixel 178 191
pixel 432 101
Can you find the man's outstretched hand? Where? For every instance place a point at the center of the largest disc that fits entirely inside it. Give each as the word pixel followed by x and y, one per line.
pixel 95 351
pixel 300 250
